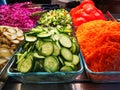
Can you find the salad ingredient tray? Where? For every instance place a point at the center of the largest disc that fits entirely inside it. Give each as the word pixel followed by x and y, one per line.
pixel 46 77
pixel 50 53
pixel 100 50
pixel 10 38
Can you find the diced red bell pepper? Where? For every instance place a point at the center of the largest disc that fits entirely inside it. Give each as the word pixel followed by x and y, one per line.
pixel 85 12
pixel 78 21
pixel 88 7
pixel 87 16
pixel 87 2
pixel 98 14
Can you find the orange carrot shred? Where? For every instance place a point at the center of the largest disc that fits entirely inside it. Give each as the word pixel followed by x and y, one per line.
pixel 99 41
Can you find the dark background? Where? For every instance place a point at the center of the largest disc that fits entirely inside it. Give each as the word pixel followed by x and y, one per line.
pixel 34 1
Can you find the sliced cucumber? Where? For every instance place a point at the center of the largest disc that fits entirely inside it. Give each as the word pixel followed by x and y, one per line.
pixel 67 54
pixel 56 37
pixel 38 44
pixel 26 45
pixel 61 60
pixel 35 54
pixel 41 64
pixel 69 64
pixel 30 38
pixel 65 41
pixel 51 64
pixel 38 29
pixel 58 44
pixel 18 55
pixel 36 67
pixel 47 40
pixel 21 57
pixel 56 50
pixel 75 60
pixel 73 48
pixel 68 30
pixel 77 48
pixel 66 69
pixel 19 64
pixel 74 40
pixel 47 48
pixel 26 65
pixel 44 34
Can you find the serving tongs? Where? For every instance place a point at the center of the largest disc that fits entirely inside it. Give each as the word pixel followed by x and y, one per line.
pixel 38 13
pixel 110 16
pixel 44 8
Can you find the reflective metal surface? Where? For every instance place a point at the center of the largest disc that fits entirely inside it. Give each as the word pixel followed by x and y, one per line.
pixel 13 85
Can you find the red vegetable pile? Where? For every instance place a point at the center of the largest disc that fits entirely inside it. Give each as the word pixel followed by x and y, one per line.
pixel 18 15
pixel 85 12
pixel 99 41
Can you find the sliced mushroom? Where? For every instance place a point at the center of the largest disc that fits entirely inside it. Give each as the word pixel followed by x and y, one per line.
pixel 10 35
pixel 20 38
pixel 11 30
pixel 4 40
pixel 19 33
pixel 13 46
pixel 5 53
pixel 5 46
pixel 3 61
pixel 15 41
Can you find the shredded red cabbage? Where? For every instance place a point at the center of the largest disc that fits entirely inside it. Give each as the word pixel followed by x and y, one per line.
pixel 18 15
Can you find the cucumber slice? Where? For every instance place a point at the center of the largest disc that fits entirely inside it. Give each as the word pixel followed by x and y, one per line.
pixel 35 54
pixel 65 41
pixel 51 64
pixel 47 40
pixel 47 49
pixel 69 64
pixel 77 48
pixel 19 64
pixel 36 67
pixel 18 55
pixel 21 57
pixel 26 65
pixel 58 44
pixel 41 64
pixel 30 38
pixel 67 54
pixel 75 60
pixel 44 34
pixel 56 50
pixel 74 40
pixel 66 69
pixel 61 60
pixel 73 48
pixel 56 37
pixel 26 45
pixel 38 44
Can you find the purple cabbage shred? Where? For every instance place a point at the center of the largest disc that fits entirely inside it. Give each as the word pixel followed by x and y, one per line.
pixel 18 15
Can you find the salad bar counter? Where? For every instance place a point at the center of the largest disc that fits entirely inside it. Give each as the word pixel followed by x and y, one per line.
pixel 60 47
pixel 80 85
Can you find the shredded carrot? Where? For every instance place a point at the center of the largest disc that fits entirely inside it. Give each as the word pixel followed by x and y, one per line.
pixel 99 41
